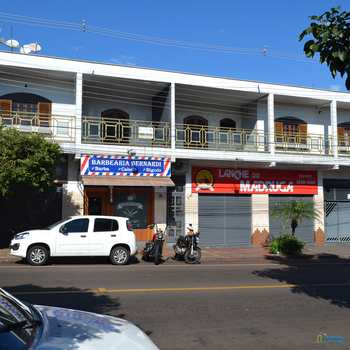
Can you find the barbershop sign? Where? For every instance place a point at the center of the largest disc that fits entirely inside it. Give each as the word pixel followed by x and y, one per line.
pixel 253 181
pixel 95 165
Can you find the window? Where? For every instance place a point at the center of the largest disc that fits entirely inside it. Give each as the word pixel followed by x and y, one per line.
pixel 78 225
pixel 344 134
pixel 24 107
pixel 19 338
pixel 227 123
pixel 105 225
pixel 116 125
pixel 290 130
pixel 196 128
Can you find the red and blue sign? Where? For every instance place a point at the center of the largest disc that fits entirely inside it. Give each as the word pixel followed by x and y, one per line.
pixel 97 165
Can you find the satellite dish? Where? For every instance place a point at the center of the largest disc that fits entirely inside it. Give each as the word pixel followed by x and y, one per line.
pixel 28 48
pixel 35 47
pixel 12 43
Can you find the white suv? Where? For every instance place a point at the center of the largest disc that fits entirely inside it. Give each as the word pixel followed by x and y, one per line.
pixel 78 236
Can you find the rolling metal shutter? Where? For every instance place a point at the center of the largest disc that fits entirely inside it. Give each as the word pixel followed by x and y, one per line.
pixel 337 221
pixel 224 220
pixel 304 231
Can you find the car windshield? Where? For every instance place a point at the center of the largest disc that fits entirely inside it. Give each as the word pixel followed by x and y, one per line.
pixel 17 330
pixel 57 223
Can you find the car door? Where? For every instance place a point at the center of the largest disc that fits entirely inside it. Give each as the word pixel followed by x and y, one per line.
pixel 105 233
pixel 73 238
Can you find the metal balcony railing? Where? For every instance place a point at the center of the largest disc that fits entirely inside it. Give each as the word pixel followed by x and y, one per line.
pixel 158 134
pixel 125 132
pixel 306 143
pixel 344 145
pixel 60 127
pixel 216 138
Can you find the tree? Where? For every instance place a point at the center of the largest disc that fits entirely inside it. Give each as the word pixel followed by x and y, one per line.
pixel 331 39
pixel 293 212
pixel 27 160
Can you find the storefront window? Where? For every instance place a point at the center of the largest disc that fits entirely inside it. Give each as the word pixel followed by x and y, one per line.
pixel 134 206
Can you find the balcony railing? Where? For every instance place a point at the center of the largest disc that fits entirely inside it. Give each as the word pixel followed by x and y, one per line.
pixel 216 138
pixel 60 127
pixel 125 132
pixel 158 134
pixel 306 143
pixel 344 145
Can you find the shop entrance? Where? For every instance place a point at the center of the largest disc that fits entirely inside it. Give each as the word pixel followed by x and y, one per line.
pixel 337 210
pixel 224 220
pixel 137 204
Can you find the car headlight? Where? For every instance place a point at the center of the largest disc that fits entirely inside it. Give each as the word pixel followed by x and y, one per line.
pixel 21 235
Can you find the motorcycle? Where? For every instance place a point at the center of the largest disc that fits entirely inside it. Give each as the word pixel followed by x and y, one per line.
pixel 186 248
pixel 154 249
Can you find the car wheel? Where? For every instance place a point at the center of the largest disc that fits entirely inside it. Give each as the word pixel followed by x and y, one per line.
pixel 37 255
pixel 119 256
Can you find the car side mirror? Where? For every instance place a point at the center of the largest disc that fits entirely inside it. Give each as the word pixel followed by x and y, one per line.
pixel 64 230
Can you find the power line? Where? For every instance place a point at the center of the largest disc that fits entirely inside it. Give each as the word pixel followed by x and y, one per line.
pixel 154 40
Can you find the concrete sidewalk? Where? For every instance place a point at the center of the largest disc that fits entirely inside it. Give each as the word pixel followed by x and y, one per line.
pixel 243 254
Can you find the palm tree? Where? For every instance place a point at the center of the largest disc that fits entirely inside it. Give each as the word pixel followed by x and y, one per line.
pixel 294 212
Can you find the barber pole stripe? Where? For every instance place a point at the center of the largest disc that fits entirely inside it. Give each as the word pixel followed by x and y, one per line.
pixel 84 164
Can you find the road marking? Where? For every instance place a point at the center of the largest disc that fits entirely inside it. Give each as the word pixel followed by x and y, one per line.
pixel 183 289
pixel 185 266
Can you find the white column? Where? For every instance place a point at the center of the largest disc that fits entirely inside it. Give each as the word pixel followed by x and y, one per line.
pixel 160 206
pixel 260 219
pixel 319 223
pixel 172 117
pixel 73 191
pixel 78 110
pixel 191 201
pixel 334 123
pixel 271 123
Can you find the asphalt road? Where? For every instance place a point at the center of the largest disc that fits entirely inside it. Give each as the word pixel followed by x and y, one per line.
pixel 237 306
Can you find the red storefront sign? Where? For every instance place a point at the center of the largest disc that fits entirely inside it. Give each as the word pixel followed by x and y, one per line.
pixel 253 181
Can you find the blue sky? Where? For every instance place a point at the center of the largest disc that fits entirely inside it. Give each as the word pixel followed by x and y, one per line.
pixel 274 24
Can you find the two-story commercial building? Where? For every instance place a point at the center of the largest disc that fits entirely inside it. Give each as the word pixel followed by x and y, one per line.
pixel 174 148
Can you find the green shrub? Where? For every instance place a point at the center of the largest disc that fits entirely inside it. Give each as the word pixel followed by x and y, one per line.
pixel 287 245
pixel 274 246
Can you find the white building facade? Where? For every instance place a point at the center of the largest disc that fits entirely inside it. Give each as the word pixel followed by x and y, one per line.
pixel 174 148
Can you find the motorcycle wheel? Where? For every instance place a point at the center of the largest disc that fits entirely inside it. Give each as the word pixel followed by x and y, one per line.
pixel 157 254
pixel 194 258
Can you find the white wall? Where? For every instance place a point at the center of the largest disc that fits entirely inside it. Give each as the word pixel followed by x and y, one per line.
pixel 93 108
pixel 62 97
pixel 73 190
pixel 213 118
pixel 317 120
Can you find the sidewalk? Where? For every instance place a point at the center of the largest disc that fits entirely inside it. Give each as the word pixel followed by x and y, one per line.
pixel 244 254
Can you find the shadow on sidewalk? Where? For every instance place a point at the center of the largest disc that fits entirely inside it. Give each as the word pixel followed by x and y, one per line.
pixel 327 277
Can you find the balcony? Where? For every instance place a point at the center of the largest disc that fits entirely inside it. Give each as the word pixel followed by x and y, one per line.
pixel 158 134
pixel 125 132
pixel 218 138
pixel 302 143
pixel 142 133
pixel 59 127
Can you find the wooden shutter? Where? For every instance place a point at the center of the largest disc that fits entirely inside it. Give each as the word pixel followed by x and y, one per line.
pixel 5 106
pixel 302 131
pixel 44 117
pixel 279 132
pixel 341 136
pixel 279 128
